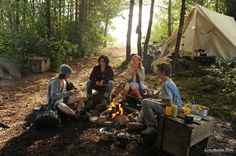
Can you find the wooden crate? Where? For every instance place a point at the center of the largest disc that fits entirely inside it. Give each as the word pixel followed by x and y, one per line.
pixel 178 137
pixel 39 64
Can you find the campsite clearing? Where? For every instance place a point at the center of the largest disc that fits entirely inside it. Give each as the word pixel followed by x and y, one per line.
pixel 81 137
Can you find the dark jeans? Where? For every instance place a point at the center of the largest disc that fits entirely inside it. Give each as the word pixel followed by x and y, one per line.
pixel 104 89
pixel 150 110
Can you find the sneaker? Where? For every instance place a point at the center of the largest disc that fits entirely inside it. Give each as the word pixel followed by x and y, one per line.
pixel 149 131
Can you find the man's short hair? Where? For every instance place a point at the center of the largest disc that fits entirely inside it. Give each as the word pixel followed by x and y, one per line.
pixel 164 68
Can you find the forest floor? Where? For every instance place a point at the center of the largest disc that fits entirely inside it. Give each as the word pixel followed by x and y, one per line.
pixel 17 100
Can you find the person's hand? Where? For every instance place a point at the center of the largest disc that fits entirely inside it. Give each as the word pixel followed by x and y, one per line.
pixel 132 72
pixel 97 83
pixel 102 83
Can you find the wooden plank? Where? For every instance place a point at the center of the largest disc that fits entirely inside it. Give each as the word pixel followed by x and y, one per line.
pixel 160 130
pixel 176 138
pixel 201 132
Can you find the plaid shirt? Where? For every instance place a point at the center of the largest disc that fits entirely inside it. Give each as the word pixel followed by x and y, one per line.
pixel 98 75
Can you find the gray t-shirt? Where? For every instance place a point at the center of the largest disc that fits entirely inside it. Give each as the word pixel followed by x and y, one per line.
pixel 169 91
pixel 54 95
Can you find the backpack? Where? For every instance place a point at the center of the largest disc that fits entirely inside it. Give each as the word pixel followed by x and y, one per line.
pixel 47 116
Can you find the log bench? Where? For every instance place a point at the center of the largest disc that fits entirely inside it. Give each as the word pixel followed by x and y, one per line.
pixel 177 138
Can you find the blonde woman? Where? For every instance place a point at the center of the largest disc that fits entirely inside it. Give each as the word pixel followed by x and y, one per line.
pixel 135 79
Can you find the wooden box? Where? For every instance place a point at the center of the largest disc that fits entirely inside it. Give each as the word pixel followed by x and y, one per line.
pixel 39 64
pixel 179 137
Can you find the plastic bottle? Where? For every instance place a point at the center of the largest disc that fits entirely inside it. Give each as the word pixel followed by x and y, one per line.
pixel 174 110
pixel 168 111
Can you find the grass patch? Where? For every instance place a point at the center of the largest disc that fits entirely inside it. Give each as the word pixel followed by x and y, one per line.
pixel 205 93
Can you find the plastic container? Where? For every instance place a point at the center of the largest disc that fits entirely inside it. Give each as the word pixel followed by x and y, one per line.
pixel 188 119
pixel 200 110
pixel 174 111
pixel 187 110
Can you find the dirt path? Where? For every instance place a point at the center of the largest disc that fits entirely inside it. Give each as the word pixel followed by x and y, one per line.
pixel 18 99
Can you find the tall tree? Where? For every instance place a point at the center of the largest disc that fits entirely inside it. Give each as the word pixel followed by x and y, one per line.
pixel 105 30
pixel 169 19
pixel 128 42
pixel 139 28
pixel 179 35
pixel 17 15
pixel 48 18
pixel 82 18
pixel 146 62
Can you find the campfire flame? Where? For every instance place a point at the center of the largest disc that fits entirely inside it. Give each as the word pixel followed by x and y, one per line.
pixel 115 109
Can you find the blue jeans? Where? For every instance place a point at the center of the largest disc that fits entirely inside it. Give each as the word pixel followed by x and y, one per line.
pixel 104 89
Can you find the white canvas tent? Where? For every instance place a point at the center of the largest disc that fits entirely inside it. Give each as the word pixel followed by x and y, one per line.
pixel 208 30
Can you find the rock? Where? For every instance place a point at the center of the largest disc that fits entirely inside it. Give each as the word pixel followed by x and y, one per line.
pixel 9 70
pixel 93 119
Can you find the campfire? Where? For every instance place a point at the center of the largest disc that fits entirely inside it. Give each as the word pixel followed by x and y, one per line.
pixel 116 115
pixel 115 109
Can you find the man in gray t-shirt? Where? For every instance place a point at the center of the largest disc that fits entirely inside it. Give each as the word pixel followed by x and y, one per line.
pixel 153 107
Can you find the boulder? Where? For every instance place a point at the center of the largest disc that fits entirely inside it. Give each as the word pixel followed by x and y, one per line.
pixel 9 70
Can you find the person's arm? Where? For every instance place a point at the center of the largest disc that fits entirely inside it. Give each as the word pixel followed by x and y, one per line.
pixel 141 74
pixel 130 73
pixel 92 76
pixel 167 95
pixel 109 75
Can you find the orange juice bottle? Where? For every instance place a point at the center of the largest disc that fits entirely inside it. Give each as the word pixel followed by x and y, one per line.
pixel 168 111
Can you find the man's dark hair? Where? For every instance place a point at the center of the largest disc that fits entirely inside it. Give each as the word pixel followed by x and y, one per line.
pixel 105 58
pixel 164 68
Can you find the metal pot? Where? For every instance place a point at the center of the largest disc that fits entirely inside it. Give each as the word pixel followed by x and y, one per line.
pixel 107 133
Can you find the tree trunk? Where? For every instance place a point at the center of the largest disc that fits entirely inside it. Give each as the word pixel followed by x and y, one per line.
pixel 24 12
pixel 76 25
pixel 128 42
pixel 82 18
pixel 179 35
pixel 17 15
pixel 139 28
pixel 76 14
pixel 48 18
pixel 146 62
pixel 169 19
pixel 217 6
pixel 105 31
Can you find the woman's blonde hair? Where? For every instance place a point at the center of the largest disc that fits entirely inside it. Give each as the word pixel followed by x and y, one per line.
pixel 139 58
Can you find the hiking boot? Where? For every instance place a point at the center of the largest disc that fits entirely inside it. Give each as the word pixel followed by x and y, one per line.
pixel 89 104
pixel 149 131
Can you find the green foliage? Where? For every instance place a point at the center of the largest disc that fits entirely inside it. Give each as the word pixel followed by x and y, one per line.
pixel 160 28
pixel 60 51
pixel 24 28
pixel 10 48
pixel 93 39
